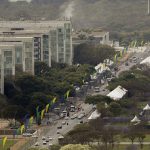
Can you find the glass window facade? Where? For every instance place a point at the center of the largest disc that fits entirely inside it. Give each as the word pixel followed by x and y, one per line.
pixel 28 56
pixel 46 51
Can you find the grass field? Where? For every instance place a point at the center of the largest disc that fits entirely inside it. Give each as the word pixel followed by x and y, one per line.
pixel 121 139
pixel 9 143
pixel 124 147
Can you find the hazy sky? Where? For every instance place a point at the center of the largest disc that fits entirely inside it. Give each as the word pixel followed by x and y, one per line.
pixel 20 0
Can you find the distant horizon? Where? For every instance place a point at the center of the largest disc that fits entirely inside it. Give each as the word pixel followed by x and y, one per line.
pixel 20 0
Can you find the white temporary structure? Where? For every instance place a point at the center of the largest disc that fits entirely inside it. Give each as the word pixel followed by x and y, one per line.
pixel 101 67
pixel 118 93
pixel 135 119
pixel 108 62
pixel 147 107
pixel 146 61
pixel 94 115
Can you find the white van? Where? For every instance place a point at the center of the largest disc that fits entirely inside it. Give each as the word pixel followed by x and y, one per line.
pixel 96 89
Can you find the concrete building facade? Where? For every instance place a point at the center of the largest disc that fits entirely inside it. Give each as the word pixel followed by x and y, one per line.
pixel 54 40
pixel 24 42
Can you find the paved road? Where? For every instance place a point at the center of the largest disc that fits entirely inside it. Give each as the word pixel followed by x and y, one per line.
pixel 125 143
pixel 52 131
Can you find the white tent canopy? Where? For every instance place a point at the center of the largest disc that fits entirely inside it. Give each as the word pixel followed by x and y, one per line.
pixel 147 107
pixel 94 115
pixel 135 119
pixel 146 61
pixel 102 67
pixel 117 93
pixel 108 62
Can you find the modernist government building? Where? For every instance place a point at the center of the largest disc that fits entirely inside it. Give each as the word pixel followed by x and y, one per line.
pixel 24 42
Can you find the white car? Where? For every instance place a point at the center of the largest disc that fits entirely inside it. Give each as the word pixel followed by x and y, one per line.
pixel 66 118
pixel 50 138
pixel 58 132
pixel 50 144
pixel 27 134
pixel 37 144
pixel 35 136
pixel 64 122
pixel 81 115
pixel 44 142
pixel 74 116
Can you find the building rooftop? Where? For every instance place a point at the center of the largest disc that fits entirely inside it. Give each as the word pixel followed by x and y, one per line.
pixel 98 34
pixel 10 43
pixel 33 24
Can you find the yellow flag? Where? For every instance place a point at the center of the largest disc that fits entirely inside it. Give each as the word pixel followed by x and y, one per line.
pixel 135 43
pixel 4 141
pixel 42 113
pixel 31 120
pixel 121 53
pixel 142 43
pixel 115 57
pixel 104 65
pixel 67 94
pixel 22 128
pixel 47 107
pixel 54 100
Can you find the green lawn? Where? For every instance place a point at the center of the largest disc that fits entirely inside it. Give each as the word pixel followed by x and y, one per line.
pixel 121 139
pixel 8 144
pixel 124 147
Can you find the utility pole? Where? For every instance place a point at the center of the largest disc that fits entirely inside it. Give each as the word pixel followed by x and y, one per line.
pixel 148 11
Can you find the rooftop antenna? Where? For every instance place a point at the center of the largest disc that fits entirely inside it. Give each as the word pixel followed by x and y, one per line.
pixel 148 11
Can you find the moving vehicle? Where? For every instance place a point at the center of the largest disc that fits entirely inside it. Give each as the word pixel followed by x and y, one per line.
pixel 64 113
pixel 58 132
pixel 26 134
pixel 81 121
pixel 47 140
pixel 81 116
pixel 37 144
pixel 72 108
pixel 59 127
pixel 66 118
pixel 109 79
pixel 44 142
pixel 43 138
pixel 96 89
pixel 64 122
pixel 74 116
pixel 50 138
pixel 126 64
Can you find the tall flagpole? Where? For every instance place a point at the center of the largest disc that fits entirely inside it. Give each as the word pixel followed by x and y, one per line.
pixel 148 11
